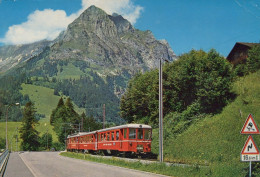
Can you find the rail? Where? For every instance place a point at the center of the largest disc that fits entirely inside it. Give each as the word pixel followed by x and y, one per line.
pixel 3 161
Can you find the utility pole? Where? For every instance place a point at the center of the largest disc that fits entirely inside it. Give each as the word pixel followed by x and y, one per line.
pixel 104 115
pixel 160 113
pixel 16 139
pixel 47 138
pixel 82 127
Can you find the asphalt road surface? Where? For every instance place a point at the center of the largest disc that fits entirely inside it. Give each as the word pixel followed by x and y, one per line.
pixel 16 167
pixel 51 164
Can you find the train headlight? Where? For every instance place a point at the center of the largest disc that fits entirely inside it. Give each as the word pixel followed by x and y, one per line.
pixel 140 147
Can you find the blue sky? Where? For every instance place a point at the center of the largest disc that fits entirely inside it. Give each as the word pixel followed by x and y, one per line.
pixel 185 24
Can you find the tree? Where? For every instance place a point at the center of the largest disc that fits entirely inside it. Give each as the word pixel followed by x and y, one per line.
pixel 253 60
pixel 90 124
pixel 59 105
pixel 71 113
pixel 46 141
pixel 64 119
pixel 2 143
pixel 28 132
pixel 198 80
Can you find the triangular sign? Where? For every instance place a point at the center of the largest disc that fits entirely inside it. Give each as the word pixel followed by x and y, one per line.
pixel 250 126
pixel 250 147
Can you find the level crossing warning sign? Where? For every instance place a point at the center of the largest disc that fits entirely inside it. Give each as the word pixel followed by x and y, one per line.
pixel 250 126
pixel 250 151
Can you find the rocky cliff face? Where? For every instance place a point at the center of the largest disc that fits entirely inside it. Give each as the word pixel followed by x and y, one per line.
pixel 110 41
pixel 13 55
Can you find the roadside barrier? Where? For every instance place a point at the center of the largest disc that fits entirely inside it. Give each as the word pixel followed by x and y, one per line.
pixel 3 161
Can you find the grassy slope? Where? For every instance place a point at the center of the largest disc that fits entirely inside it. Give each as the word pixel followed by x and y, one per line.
pixel 11 126
pixel 45 101
pixel 69 72
pixel 217 140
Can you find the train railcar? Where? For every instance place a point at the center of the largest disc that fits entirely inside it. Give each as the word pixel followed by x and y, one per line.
pixel 129 138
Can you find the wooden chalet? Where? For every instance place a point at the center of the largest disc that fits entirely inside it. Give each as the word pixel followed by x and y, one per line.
pixel 240 52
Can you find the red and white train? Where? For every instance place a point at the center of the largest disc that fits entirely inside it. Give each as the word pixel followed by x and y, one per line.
pixel 129 138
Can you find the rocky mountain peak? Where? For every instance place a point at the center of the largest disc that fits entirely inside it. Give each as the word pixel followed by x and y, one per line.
pixel 93 21
pixel 107 41
pixel 122 24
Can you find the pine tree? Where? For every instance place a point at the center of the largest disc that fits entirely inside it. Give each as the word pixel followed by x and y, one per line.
pixel 28 133
pixel 73 116
pixel 64 119
pixel 60 103
pixel 54 112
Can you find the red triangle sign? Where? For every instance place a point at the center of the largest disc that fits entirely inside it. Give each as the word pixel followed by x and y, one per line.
pixel 250 147
pixel 250 126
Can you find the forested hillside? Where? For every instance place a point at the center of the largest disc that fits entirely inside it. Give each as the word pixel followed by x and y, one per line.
pixel 203 127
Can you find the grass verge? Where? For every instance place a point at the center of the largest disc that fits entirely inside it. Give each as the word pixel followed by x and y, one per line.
pixel 159 168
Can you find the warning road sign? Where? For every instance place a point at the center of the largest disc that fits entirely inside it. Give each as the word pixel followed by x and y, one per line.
pixel 250 151
pixel 250 126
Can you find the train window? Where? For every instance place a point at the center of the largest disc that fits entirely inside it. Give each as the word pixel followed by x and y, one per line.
pixel 140 134
pixel 104 136
pixel 112 136
pixel 108 136
pixel 132 133
pixel 147 134
pixel 99 137
pixel 117 135
pixel 125 133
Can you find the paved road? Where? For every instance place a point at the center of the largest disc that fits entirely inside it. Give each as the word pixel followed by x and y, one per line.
pixel 16 167
pixel 51 164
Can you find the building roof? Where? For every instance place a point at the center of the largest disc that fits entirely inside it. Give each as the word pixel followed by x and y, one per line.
pixel 240 47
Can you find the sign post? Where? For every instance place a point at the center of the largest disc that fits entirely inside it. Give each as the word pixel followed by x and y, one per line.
pixel 250 151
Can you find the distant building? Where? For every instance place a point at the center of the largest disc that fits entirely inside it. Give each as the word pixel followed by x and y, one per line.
pixel 240 52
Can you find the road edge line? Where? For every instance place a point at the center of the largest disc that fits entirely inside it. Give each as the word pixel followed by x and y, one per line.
pixel 31 170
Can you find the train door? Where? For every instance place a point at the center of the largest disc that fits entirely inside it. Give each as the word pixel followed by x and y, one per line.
pixel 77 145
pixel 96 141
pixel 121 138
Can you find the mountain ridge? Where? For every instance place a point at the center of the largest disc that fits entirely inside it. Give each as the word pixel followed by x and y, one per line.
pixel 100 38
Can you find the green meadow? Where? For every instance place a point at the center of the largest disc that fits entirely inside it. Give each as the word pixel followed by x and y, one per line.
pixel 45 101
pixel 216 141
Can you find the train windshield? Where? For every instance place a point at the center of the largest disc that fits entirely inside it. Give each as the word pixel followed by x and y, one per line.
pixel 132 133
pixel 147 134
pixel 140 134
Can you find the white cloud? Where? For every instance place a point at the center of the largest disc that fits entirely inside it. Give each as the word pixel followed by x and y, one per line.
pixel 47 24
pixel 123 7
